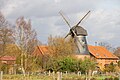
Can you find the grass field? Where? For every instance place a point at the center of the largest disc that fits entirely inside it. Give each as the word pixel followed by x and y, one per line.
pixel 46 77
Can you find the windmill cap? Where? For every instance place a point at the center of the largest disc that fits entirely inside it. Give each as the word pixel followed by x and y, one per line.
pixel 79 30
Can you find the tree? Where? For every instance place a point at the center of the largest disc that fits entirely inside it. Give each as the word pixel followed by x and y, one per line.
pixel 68 63
pixel 25 39
pixel 117 52
pixel 6 36
pixel 59 47
pixel 63 58
pixel 25 35
pixel 110 67
pixel 119 64
pixel 34 64
pixel 87 64
pixel 107 46
pixel 3 21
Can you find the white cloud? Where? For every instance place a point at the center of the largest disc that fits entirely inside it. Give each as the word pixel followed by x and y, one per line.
pixel 10 6
pixel 102 24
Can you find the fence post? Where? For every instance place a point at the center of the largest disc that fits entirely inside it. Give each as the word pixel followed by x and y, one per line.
pixel 1 75
pixel 45 73
pixel 79 73
pixel 49 73
pixel 53 75
pixel 86 75
pixel 66 72
pixel 119 76
pixel 59 76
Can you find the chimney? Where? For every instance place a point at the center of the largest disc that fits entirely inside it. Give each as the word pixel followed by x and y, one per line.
pixel 95 43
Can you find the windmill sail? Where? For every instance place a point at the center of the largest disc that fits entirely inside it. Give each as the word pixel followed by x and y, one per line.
pixel 79 35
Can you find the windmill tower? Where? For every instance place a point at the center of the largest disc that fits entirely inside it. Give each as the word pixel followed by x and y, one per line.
pixel 79 34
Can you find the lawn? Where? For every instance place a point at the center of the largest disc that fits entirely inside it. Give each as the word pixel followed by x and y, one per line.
pixel 46 77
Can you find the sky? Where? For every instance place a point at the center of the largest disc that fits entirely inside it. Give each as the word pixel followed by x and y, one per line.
pixel 102 24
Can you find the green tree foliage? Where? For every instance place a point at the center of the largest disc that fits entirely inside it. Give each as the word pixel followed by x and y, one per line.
pixel 86 65
pixel 63 64
pixel 110 67
pixel 119 64
pixel 4 68
pixel 63 58
pixel 59 49
pixel 70 64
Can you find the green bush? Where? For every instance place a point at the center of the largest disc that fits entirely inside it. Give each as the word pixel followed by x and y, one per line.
pixel 93 79
pixel 116 78
pixel 109 78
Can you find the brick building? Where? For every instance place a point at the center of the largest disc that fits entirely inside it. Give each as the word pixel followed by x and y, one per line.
pixel 102 55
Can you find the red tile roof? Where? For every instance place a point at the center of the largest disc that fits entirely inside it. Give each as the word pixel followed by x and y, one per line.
pixel 40 50
pixel 101 52
pixel 96 51
pixel 8 58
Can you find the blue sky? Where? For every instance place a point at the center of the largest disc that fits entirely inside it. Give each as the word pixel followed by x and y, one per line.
pixel 102 24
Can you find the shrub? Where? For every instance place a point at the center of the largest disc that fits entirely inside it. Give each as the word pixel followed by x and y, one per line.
pixel 93 79
pixel 116 78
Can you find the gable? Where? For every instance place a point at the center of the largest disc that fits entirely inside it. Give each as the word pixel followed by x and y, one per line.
pixel 40 50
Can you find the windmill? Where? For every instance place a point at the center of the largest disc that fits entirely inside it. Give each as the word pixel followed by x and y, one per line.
pixel 79 34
